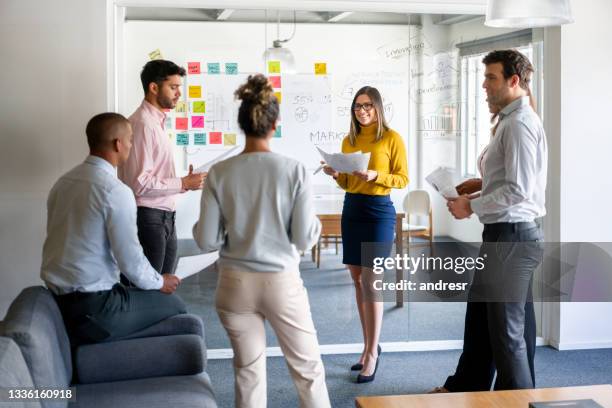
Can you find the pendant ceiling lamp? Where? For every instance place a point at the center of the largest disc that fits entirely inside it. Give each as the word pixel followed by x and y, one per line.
pixel 279 53
pixel 528 13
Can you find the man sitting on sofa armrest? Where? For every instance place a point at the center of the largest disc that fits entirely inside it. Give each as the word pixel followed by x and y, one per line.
pixel 92 238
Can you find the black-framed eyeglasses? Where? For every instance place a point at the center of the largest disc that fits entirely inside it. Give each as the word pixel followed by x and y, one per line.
pixel 366 107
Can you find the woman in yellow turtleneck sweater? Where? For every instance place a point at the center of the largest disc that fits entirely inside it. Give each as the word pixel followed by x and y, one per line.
pixel 368 215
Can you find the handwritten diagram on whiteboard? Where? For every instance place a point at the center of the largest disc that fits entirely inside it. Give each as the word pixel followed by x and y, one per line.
pixel 306 113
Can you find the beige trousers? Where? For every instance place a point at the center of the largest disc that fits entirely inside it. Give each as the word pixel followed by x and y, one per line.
pixel 244 300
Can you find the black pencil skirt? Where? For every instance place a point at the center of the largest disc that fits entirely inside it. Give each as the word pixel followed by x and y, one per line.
pixel 368 228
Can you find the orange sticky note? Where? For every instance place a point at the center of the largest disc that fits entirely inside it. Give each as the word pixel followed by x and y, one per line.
pixel 279 96
pixel 275 81
pixel 320 68
pixel 216 137
pixel 195 91
pixel 274 67
pixel 193 67
pixel 181 124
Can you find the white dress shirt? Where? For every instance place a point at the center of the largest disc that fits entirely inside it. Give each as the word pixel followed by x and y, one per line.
pixel 257 210
pixel 91 233
pixel 514 168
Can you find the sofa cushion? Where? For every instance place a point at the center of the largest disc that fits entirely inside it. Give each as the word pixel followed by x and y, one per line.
pixel 140 358
pixel 34 322
pixel 14 372
pixel 177 324
pixel 193 391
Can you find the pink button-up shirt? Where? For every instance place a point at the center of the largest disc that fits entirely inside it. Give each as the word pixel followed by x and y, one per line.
pixel 149 171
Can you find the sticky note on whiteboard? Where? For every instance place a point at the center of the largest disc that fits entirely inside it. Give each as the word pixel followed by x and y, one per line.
pixel 279 96
pixel 214 68
pixel 195 91
pixel 182 139
pixel 277 132
pixel 229 139
pixel 181 124
pixel 320 68
pixel 155 55
pixel 216 137
pixel 274 67
pixel 275 80
pixel 181 106
pixel 231 68
pixel 198 107
pixel 199 139
pixel 197 121
pixel 193 68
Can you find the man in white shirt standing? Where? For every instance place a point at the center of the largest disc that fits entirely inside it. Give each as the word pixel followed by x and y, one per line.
pixel 92 238
pixel 512 198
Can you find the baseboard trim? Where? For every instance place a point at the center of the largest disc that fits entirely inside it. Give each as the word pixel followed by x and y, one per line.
pixel 355 348
pixel 587 345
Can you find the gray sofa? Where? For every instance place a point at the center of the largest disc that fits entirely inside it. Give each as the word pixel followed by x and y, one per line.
pixel 161 366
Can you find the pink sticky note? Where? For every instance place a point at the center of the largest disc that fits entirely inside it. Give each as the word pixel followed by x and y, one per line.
pixel 275 81
pixel 197 121
pixel 181 124
pixel 216 137
pixel 193 67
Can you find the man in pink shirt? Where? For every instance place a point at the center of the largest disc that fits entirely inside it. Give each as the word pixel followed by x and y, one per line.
pixel 149 170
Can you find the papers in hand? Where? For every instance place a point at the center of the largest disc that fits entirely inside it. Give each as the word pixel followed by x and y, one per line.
pixel 441 180
pixel 346 162
pixel 225 155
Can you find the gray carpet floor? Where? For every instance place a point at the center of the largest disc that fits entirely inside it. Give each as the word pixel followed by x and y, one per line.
pixel 411 373
pixel 332 303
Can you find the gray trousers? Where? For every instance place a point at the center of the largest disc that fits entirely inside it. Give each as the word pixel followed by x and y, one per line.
pixel 109 314
pixel 500 321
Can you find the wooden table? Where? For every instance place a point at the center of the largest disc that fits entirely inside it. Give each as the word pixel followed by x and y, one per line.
pixel 602 394
pixel 330 225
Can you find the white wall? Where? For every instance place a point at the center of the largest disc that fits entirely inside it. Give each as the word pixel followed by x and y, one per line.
pixel 586 142
pixel 53 55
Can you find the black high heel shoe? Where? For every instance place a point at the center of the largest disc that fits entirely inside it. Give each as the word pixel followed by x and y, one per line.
pixel 359 366
pixel 368 378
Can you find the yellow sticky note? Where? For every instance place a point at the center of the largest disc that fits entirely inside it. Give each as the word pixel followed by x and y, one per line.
pixel 320 68
pixel 279 96
pixel 229 139
pixel 199 107
pixel 195 91
pixel 154 55
pixel 181 106
pixel 274 67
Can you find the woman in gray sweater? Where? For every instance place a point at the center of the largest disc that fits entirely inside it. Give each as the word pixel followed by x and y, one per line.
pixel 257 211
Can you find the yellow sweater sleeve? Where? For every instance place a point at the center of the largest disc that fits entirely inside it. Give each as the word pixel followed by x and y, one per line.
pixel 398 169
pixel 342 180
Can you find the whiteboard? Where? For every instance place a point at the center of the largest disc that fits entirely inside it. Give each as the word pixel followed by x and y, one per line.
pixel 306 112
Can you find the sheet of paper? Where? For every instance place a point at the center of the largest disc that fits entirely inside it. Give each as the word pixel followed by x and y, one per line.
pixel 346 163
pixel 190 265
pixel 225 155
pixel 442 181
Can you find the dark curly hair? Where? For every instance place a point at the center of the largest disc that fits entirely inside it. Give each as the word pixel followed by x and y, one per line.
pixel 259 108
pixel 513 63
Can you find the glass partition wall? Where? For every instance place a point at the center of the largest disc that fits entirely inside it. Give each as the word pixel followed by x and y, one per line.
pixel 429 71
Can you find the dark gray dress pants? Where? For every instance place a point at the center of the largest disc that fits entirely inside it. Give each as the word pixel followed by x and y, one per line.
pixel 500 329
